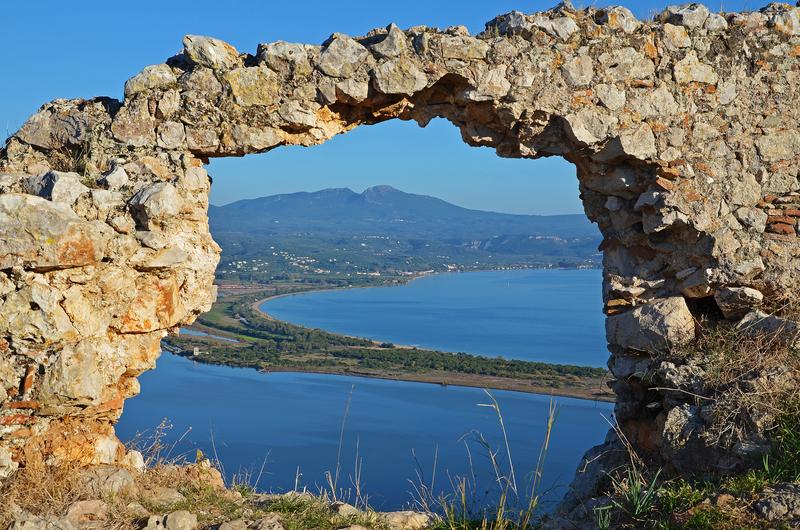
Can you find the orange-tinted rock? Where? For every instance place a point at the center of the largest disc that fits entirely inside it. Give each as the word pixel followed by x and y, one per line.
pixel 774 219
pixel 781 228
pixel 17 419
pixel 157 306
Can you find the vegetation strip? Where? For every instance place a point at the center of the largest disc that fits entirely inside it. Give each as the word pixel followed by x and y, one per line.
pixel 271 345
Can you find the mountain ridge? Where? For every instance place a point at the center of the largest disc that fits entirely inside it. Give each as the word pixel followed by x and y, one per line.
pixel 342 211
pixel 371 191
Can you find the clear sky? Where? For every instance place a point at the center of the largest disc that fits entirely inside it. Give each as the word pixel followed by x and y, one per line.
pixel 53 49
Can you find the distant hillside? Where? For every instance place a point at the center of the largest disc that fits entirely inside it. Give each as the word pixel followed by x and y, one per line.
pixel 387 211
pixel 387 229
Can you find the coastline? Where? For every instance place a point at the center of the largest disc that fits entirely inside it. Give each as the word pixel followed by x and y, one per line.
pixel 592 389
pixel 588 393
pixel 256 305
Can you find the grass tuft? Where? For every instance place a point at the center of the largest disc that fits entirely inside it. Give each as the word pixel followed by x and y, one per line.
pixel 516 506
pixel 752 379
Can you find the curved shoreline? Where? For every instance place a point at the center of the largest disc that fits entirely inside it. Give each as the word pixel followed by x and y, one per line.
pixel 589 388
pixel 441 378
pixel 435 378
pixel 256 306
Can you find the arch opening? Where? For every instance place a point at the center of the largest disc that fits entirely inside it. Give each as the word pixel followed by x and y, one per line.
pixel 322 224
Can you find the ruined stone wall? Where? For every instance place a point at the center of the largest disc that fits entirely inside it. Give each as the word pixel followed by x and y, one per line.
pixel 683 130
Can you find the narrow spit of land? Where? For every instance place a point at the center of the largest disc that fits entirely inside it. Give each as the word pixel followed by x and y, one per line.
pixel 239 334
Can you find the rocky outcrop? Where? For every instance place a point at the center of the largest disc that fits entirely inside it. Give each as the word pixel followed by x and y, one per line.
pixel 683 131
pixel 780 503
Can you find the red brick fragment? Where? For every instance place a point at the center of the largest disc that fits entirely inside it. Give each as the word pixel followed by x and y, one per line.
pixel 27 381
pixel 665 184
pixel 781 228
pixel 22 405
pixel 780 219
pixel 16 419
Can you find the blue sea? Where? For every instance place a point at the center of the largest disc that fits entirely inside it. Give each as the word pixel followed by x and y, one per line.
pixel 397 434
pixel 538 315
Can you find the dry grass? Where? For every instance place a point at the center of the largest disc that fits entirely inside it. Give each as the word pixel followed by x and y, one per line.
pixel 48 492
pixel 37 488
pixel 751 382
pixel 749 378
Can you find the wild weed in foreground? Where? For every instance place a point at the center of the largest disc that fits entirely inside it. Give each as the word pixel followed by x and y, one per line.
pixel 468 506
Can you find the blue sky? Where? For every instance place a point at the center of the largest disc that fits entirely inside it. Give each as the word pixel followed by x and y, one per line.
pixel 53 49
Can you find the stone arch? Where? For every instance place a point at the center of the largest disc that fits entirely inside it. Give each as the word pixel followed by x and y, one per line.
pixel 683 132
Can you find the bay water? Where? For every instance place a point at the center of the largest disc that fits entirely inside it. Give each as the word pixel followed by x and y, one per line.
pixel 391 436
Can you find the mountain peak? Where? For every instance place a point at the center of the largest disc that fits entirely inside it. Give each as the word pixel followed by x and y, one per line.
pixel 380 189
pixel 333 191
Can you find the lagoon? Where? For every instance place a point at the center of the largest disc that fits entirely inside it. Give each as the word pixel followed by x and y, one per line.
pixel 548 315
pixel 393 427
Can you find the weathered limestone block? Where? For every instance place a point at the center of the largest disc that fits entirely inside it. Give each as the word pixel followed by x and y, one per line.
pixel 171 135
pixel 157 305
pixel 610 96
pixel 297 116
pixel 407 520
pixel 209 52
pixel 772 327
pixel 255 138
pixel 285 58
pixel 676 37
pixel 33 316
pixel 462 48
pixel 716 23
pixel 589 126
pixel 257 85
pixel 394 44
pixel 56 186
pixel 691 15
pixel 735 302
pixel 578 71
pixel 778 145
pixel 199 84
pixel 114 179
pixel 342 56
pixel 71 377
pixel 654 327
pixel 59 124
pixel 351 91
pixel 618 18
pixel 691 69
pixel 42 235
pixel 134 124
pixel 626 64
pixel 399 76
pixel 152 77
pixel 560 27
